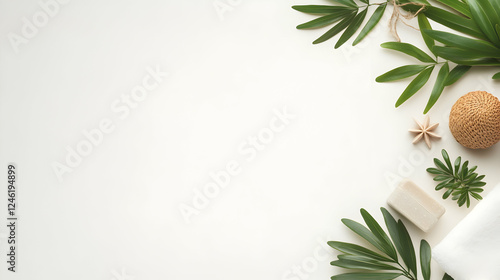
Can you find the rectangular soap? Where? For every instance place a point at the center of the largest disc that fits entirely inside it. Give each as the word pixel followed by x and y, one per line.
pixel 416 205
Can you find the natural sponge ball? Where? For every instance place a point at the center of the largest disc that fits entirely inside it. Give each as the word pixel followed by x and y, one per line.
pixel 475 120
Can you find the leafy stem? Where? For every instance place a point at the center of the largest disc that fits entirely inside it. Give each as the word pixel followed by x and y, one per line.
pixel 478 20
pixel 460 181
pixel 383 263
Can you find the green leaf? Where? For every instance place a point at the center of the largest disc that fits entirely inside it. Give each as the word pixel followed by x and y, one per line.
pixel 482 48
pixel 365 1
pixel 476 196
pixel 320 9
pixel 336 29
pixel 461 201
pixel 424 24
pixel 354 249
pixel 459 56
pixel 353 262
pixel 408 253
pixel 463 57
pixel 374 19
pixel 496 76
pixel 447 193
pixel 393 228
pixel 441 166
pixel 400 73
pixel 480 177
pixel 465 169
pixel 486 17
pixel 357 258
pixel 441 178
pixel 412 6
pixel 349 3
pixel 362 231
pixel 457 6
pixel 366 276
pixel 353 27
pixel 380 234
pixel 454 21
pixel 438 86
pixel 447 277
pixel 425 259
pixel 408 49
pixel 458 161
pixel 325 20
pixel 415 85
pixel 442 185
pixel 456 73
pixel 446 158
pixel 435 171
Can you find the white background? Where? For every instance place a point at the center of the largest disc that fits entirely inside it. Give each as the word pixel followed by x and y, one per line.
pixel 116 215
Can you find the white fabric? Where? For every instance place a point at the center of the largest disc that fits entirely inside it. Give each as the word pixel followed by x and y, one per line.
pixel 471 251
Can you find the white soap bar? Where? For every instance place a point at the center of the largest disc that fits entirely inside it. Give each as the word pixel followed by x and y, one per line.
pixel 416 205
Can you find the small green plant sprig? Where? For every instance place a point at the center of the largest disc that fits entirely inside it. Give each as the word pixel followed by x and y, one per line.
pixel 460 181
pixel 386 264
pixel 477 20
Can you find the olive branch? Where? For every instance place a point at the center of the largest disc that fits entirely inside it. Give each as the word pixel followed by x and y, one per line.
pixel 479 45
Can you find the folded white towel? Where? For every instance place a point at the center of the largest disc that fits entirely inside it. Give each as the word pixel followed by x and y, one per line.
pixel 471 251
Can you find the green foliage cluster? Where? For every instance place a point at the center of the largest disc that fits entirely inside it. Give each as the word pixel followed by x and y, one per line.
pixel 395 255
pixel 460 181
pixel 479 45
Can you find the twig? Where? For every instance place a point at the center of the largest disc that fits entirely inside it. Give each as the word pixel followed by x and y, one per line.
pixel 396 14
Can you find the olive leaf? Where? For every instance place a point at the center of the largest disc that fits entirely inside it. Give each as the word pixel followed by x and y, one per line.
pixel 486 17
pixel 456 73
pixel 415 85
pixel 325 20
pixel 352 28
pixel 478 21
pixel 409 49
pixel 400 73
pixel 438 86
pixel 374 19
pixel 424 25
pixel 385 264
pixel 425 259
pixel 320 9
pixel 460 181
pixel 458 6
pixel 350 3
pixel 454 21
pixel 337 28
pixel 367 276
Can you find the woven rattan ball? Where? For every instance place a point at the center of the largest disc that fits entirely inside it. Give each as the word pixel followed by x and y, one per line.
pixel 475 120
